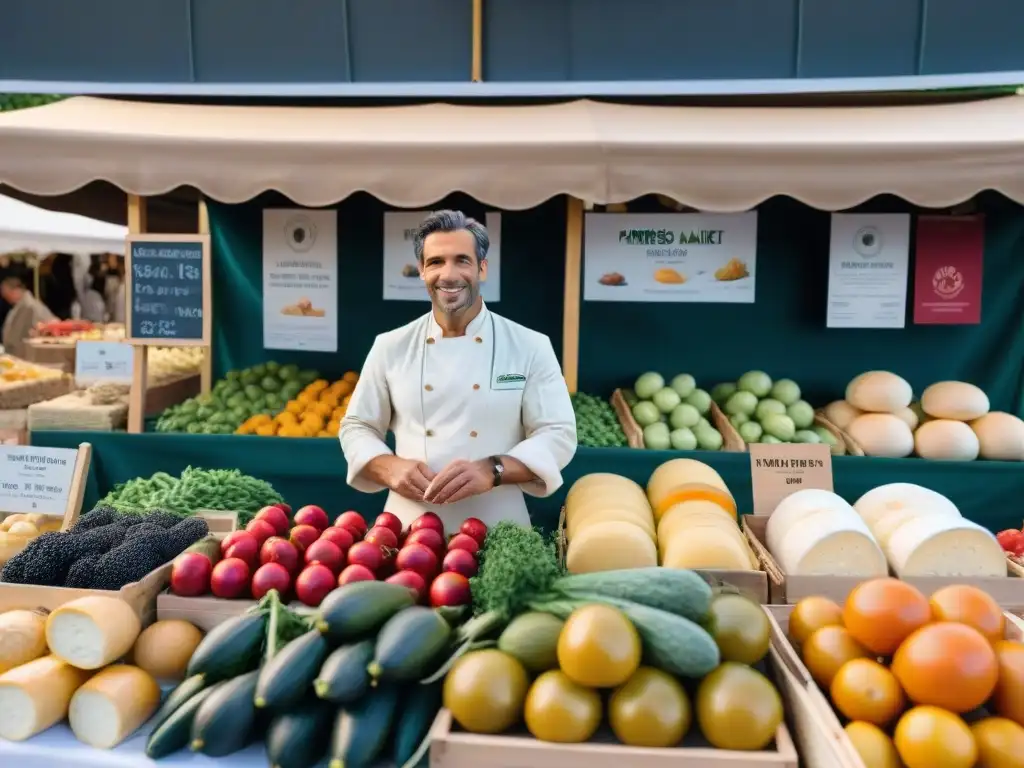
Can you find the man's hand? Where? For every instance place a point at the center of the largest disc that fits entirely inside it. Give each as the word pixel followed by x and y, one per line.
pixel 460 480
pixel 409 479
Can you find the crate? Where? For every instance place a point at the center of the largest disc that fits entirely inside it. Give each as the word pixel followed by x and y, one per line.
pixel 731 440
pixel 851 445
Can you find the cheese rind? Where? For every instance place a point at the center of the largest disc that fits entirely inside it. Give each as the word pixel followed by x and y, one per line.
pixel 603 513
pixel 885 498
pixel 91 632
pixel 36 695
pixel 826 544
pixel 610 546
pixel 600 484
pixel 796 507
pixel 945 546
pixel 888 524
pixel 112 705
pixel 681 480
pixel 707 547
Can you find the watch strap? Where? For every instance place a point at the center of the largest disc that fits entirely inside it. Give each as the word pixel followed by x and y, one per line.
pixel 498 468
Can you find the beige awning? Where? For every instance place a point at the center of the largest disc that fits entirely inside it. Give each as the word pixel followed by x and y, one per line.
pixel 513 157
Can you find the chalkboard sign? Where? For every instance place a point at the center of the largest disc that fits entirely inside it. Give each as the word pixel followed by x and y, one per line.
pixel 167 289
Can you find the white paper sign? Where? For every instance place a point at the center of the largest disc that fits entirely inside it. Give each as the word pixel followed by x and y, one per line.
pixel 869 265
pixel 686 257
pixel 106 361
pixel 300 279
pixel 401 273
pixel 36 479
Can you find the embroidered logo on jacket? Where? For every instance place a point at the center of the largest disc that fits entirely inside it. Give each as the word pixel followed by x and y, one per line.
pixel 508 378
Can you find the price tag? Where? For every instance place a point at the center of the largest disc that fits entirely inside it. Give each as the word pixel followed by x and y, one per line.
pixel 106 361
pixel 36 479
pixel 777 470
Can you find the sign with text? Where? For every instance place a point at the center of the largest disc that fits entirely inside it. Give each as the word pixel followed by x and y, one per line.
pixel 36 479
pixel 106 361
pixel 777 470
pixel 948 270
pixel 167 289
pixel 869 262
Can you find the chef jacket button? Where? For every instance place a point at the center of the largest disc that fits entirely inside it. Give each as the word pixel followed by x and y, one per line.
pixel 430 433
pixel 473 433
pixel 430 339
pixel 429 388
pixel 476 386
pixel 478 340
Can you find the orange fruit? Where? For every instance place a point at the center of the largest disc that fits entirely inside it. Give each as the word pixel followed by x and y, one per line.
pixel 882 613
pixel 874 746
pixel 811 614
pixel 929 737
pixel 865 690
pixel 1008 699
pixel 971 606
pixel 1000 743
pixel 828 649
pixel 947 665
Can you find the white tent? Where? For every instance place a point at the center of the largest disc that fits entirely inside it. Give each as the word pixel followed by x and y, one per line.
pixel 24 227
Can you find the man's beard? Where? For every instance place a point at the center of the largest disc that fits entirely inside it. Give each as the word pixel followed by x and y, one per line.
pixel 467 296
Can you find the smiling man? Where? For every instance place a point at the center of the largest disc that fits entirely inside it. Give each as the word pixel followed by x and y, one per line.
pixel 477 403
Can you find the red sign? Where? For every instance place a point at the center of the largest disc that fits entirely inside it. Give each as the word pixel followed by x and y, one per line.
pixel 948 270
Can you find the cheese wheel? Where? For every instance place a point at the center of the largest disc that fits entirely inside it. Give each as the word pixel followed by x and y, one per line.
pixel 607 495
pixel 945 546
pixel 882 435
pixel 1000 436
pixel 879 501
pixel 688 512
pixel 609 516
pixel 91 632
pixel 36 695
pixel 796 507
pixel 831 544
pixel 610 546
pixel 165 648
pixel 22 638
pixel 681 480
pixel 879 392
pixel 841 413
pixel 946 440
pixel 956 400
pixel 888 524
pixel 604 481
pixel 707 547
pixel 684 529
pixel 112 705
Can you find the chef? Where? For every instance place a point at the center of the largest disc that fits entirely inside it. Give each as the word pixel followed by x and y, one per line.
pixel 477 403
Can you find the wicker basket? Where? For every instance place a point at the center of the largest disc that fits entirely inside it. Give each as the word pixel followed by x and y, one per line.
pixel 852 448
pixel 731 440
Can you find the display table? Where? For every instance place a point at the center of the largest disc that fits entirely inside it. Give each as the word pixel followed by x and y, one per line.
pixel 312 471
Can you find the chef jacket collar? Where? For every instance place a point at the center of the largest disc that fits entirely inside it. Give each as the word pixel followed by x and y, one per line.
pixel 475 329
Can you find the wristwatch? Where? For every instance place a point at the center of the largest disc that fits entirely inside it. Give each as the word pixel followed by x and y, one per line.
pixel 498 468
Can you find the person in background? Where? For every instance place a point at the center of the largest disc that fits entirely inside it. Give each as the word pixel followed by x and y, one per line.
pixel 59 286
pixel 26 313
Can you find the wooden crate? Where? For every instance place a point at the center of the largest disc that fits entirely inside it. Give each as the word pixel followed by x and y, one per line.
pixel 851 445
pixel 221 522
pixel 207 612
pixel 162 397
pixel 731 440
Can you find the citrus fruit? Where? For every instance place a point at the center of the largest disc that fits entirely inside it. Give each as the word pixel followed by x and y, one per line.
pixel 738 708
pixel 865 690
pixel 828 649
pixel 485 691
pixel 598 647
pixel 1008 699
pixel 1000 743
pixel 810 614
pixel 929 737
pixel 947 665
pixel 881 614
pixel 971 606
pixel 650 710
pixel 559 710
pixel 874 746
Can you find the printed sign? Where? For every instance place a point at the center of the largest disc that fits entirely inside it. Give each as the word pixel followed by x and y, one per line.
pixel 36 479
pixel 166 289
pixel 106 361
pixel 777 470
pixel 948 266
pixel 869 264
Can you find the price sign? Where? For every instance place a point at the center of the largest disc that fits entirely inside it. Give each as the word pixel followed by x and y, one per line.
pixel 36 479
pixel 777 470
pixel 167 286
pixel 108 361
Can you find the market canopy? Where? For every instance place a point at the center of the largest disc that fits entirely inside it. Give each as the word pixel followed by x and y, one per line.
pixel 514 157
pixel 24 227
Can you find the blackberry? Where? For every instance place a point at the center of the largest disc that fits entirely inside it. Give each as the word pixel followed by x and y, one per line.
pixel 98 517
pixel 184 535
pixel 128 563
pixel 47 559
pixel 80 575
pixel 162 518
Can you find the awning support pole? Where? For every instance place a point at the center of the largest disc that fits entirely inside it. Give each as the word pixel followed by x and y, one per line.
pixel 571 301
pixel 477 72
pixel 206 372
pixel 137 225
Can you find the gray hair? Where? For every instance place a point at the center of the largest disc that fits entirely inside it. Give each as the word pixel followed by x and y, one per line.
pixel 451 221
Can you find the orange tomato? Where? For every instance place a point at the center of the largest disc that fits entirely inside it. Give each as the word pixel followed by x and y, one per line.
pixel 971 606
pixel 865 690
pixel 811 614
pixel 947 665
pixel 828 649
pixel 882 613
pixel 1000 743
pixel 929 737
pixel 874 746
pixel 1008 699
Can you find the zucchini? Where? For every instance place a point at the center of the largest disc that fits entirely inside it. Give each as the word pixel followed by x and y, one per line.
pixel 361 731
pixel 344 677
pixel 286 678
pixel 409 644
pixel 230 649
pixel 175 731
pixel 358 610
pixel 420 705
pixel 225 721
pixel 299 738
pixel 184 691
pixel 675 590
pixel 454 614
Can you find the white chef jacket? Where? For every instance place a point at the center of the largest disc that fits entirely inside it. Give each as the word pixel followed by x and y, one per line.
pixel 496 391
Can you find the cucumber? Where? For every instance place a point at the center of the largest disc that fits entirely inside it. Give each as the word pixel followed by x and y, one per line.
pixel 230 649
pixel 286 678
pixel 299 738
pixel 533 639
pixel 678 591
pixel 174 732
pixel 358 610
pixel 184 691
pixel 208 546
pixel 361 731
pixel 408 644
pixel 420 705
pixel 454 614
pixel 225 721
pixel 344 678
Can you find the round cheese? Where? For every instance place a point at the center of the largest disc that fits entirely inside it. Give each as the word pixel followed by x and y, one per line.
pixel 945 546
pixel 609 547
pixel 708 547
pixel 946 440
pixel 909 417
pixel 841 413
pixel 879 392
pixel 602 513
pixel 831 544
pixel 93 631
pixel 879 501
pixel 1000 436
pixel 165 647
pixel 796 507
pixel 112 705
pixel 688 512
pixel 889 523
pixel 604 484
pixel 955 400
pixel 883 435
pixel 683 530
pixel 681 480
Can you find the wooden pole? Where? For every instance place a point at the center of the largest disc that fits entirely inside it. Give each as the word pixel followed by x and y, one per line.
pixel 571 302
pixel 206 372
pixel 137 225
pixel 477 74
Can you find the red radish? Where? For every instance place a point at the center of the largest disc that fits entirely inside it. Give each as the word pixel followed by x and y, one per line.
pixel 314 583
pixel 302 536
pixel 419 558
pixel 281 551
pixel 410 579
pixel 390 521
pixel 283 507
pixel 270 576
pixel 261 529
pixel 190 575
pixel 230 578
pixel 368 555
pixel 383 537
pixel 242 545
pixel 342 537
pixel 312 515
pixel 475 528
pixel 277 518
pixel 450 589
pixel 326 553
pixel 352 520
pixel 429 538
pixel 460 561
pixel 462 541
pixel 355 573
pixel 428 520
pixel 387 568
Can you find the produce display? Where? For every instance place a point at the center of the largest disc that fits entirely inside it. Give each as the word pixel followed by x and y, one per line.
pixel 920 682
pixel 14 370
pixel 19 529
pixel 316 411
pixel 164 364
pixel 597 425
pixel 673 416
pixel 80 329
